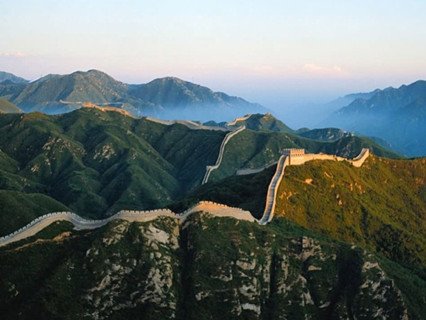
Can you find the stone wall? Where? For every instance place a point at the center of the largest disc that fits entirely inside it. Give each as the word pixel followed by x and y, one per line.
pixel 80 223
pixel 213 208
pixel 271 196
pixel 228 137
pixel 297 158
pixel 219 210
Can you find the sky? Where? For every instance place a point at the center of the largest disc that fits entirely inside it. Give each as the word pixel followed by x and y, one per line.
pixel 287 55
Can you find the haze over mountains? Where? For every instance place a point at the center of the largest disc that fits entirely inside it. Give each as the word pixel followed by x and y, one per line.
pixel 167 98
pixel 397 115
pixel 5 76
pixel 396 118
pixel 96 162
pixel 343 240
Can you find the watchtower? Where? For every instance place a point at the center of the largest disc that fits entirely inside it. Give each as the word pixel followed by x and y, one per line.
pixel 291 152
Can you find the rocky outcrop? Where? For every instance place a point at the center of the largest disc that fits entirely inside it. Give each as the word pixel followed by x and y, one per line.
pixel 205 268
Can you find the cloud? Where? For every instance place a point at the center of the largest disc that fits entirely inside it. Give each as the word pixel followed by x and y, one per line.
pixel 323 70
pixel 16 54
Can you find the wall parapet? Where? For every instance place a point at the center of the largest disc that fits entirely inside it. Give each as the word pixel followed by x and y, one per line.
pixel 228 137
pixel 214 208
pixel 81 223
pixel 294 157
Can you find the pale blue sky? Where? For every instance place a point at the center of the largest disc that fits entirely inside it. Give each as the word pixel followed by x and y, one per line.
pixel 271 51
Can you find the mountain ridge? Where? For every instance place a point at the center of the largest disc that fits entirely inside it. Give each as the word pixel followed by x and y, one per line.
pixel 168 98
pixel 6 76
pixel 95 162
pixel 397 115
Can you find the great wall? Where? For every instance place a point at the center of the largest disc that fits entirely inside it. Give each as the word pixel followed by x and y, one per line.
pixel 289 157
pixel 227 138
pixel 296 157
pixel 80 223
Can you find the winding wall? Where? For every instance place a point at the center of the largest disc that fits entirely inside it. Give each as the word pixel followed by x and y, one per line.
pixel 228 137
pixel 271 195
pixel 213 208
pixel 80 223
pixel 284 161
pixel 236 120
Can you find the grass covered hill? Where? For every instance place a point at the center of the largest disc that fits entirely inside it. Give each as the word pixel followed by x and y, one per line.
pixel 324 134
pixel 255 149
pixel 260 122
pixel 8 107
pixel 95 162
pixel 208 268
pixel 381 205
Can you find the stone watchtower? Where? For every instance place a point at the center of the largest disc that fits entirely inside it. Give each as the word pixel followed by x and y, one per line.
pixel 291 152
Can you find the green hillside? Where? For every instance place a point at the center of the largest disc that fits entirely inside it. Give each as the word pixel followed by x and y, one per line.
pixel 8 107
pixel 163 270
pixel 255 149
pixel 96 162
pixel 247 192
pixel 380 206
pixel 262 122
pixel 324 134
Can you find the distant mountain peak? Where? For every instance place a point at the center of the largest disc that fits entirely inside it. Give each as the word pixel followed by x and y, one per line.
pixel 167 98
pixel 6 76
pixel 396 115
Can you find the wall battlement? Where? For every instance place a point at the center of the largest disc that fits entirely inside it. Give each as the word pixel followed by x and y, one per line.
pixel 296 157
pixel 228 137
pixel 215 209
pixel 80 223
pixel 293 152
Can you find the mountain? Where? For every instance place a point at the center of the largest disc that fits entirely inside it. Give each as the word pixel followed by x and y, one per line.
pixel 96 162
pixel 166 98
pixel 360 205
pixel 347 99
pixel 325 134
pixel 260 122
pixel 181 99
pixel 344 242
pixel 396 115
pixel 7 107
pixel 205 268
pixel 10 90
pixel 258 149
pixel 63 93
pixel 5 76
pixel 354 205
